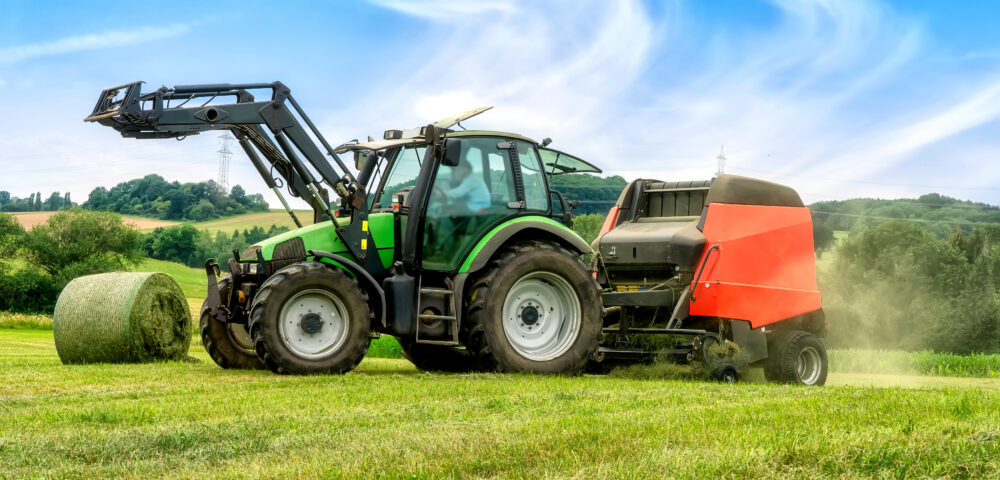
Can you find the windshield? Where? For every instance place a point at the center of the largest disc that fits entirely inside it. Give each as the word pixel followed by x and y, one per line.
pixel 405 169
pixel 557 163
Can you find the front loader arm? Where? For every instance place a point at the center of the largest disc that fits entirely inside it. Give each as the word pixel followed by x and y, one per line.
pixel 289 149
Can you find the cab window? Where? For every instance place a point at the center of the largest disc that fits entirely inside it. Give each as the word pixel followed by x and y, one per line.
pixel 405 169
pixel 465 201
pixel 536 196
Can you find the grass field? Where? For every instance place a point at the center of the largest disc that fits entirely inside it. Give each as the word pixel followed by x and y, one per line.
pixel 264 220
pixel 192 280
pixel 185 420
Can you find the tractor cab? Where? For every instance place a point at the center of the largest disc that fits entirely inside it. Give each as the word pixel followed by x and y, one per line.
pixel 485 179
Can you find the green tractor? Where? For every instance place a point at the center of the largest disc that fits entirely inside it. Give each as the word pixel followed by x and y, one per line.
pixel 449 240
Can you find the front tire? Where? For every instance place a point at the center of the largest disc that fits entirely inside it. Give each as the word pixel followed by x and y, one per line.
pixel 229 344
pixel 310 318
pixel 796 357
pixel 536 308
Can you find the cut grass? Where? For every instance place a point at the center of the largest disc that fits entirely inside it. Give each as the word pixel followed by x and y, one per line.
pixel 187 420
pixel 915 363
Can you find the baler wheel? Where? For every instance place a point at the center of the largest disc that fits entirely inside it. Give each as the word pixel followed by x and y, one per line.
pixel 437 358
pixel 310 318
pixel 796 357
pixel 726 373
pixel 536 308
pixel 229 345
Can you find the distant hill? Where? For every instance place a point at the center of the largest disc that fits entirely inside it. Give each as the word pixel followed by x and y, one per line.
pixel 938 213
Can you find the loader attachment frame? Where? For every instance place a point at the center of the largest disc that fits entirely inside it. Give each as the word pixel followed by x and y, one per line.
pixel 286 147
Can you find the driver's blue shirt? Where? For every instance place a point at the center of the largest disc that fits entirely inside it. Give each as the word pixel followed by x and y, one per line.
pixel 473 190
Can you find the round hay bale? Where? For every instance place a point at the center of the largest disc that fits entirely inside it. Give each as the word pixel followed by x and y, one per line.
pixel 122 318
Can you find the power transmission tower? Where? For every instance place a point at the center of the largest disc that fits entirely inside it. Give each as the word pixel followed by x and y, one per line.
pixel 225 154
pixel 721 161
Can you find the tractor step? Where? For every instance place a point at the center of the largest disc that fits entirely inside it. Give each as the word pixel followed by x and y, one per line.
pixel 437 291
pixel 450 315
pixel 447 343
pixel 427 316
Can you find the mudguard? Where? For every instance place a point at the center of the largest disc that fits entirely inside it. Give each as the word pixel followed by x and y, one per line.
pixel 365 280
pixel 533 228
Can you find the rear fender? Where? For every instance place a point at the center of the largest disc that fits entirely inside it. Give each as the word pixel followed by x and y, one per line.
pixel 530 228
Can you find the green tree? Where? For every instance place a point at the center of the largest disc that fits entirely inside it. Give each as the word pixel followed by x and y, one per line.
pixel 176 244
pixel 11 236
pixel 823 238
pixel 588 226
pixel 896 285
pixel 54 202
pixel 77 242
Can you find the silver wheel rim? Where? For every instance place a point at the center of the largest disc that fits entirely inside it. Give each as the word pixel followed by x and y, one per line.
pixel 313 323
pixel 808 366
pixel 541 316
pixel 240 337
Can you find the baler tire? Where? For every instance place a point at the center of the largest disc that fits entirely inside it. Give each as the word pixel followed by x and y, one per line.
pixel 726 373
pixel 289 283
pixel 217 338
pixel 786 350
pixel 483 332
pixel 437 358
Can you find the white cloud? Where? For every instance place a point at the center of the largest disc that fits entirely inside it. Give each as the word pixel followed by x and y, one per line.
pixel 93 41
pixel 445 10
pixel 830 89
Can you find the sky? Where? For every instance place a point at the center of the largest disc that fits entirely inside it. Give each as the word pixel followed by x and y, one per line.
pixel 836 98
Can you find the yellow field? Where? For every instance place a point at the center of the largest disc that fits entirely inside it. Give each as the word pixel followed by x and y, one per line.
pixel 29 220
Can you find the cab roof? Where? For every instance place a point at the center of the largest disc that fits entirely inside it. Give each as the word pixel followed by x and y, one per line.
pixel 556 161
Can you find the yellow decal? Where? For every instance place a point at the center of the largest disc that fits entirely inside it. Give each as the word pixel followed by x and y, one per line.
pixel 364 226
pixel 364 244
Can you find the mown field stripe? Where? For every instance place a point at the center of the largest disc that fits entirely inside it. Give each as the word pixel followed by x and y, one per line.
pixel 183 420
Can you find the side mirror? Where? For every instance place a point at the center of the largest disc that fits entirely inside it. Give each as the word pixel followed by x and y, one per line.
pixel 452 152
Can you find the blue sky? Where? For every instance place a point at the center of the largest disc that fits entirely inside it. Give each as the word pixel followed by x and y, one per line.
pixel 835 98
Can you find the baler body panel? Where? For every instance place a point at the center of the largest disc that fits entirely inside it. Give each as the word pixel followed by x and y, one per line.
pixel 763 270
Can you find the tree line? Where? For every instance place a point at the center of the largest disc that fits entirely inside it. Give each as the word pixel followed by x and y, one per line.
pixel 34 202
pixel 152 196
pixel 191 246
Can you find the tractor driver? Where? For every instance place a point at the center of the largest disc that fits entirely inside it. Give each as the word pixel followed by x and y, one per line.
pixel 468 190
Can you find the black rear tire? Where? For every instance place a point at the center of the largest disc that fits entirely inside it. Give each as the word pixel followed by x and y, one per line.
pixel 796 357
pixel 273 335
pixel 229 345
pixel 437 358
pixel 484 332
pixel 726 373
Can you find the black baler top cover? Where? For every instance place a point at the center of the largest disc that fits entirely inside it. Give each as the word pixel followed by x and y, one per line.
pixel 751 191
